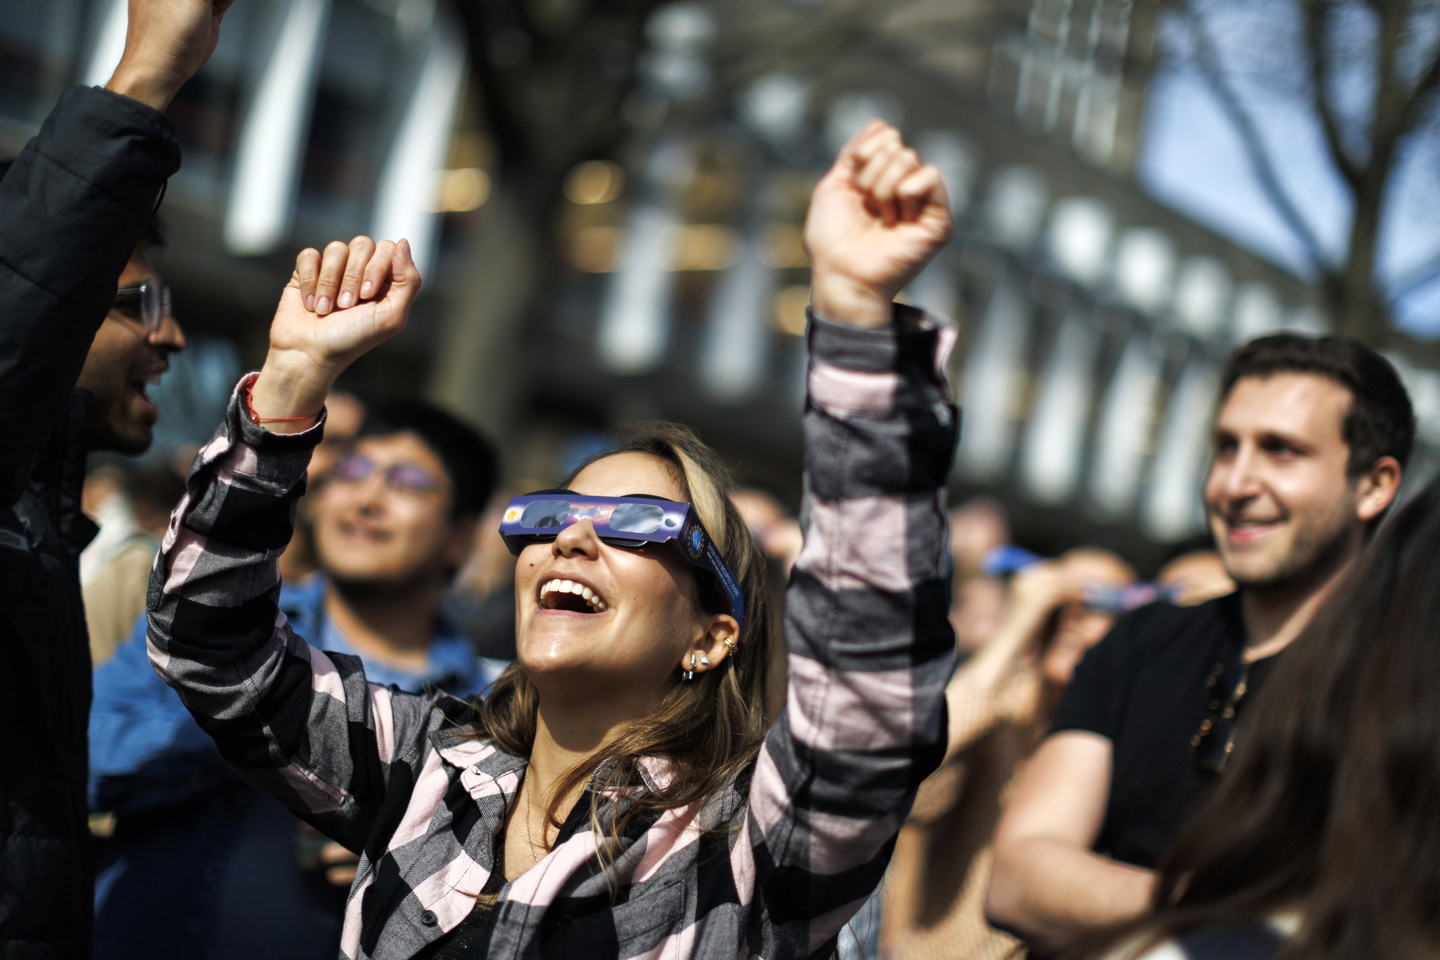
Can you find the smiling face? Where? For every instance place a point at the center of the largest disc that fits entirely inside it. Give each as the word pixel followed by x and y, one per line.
pixel 368 532
pixel 1278 500
pixel 634 632
pixel 123 360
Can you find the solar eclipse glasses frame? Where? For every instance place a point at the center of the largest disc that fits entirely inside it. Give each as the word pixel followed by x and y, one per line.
pixel 626 522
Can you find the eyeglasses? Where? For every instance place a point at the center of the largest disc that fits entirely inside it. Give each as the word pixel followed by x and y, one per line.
pixel 1215 740
pixel 148 304
pixel 626 522
pixel 404 477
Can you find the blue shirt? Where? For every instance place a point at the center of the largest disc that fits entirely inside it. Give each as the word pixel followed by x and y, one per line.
pixel 200 864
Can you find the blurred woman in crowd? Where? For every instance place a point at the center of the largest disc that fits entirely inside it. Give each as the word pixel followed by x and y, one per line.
pixel 1322 841
pixel 1001 701
pixel 619 792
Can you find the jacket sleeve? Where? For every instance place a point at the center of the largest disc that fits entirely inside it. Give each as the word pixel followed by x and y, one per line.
pixel 870 645
pixel 72 207
pixel 293 721
pixel 146 751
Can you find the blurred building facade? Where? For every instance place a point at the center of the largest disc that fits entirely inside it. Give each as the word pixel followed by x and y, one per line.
pixel 672 279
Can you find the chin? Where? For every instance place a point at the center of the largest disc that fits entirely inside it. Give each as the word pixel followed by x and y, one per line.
pixel 132 443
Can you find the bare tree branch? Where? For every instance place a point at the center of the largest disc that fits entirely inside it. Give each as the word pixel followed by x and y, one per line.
pixel 1208 61
pixel 1428 83
pixel 1313 14
pixel 1415 278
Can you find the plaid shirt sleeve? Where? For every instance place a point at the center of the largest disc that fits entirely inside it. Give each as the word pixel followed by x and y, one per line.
pixel 296 722
pixel 870 645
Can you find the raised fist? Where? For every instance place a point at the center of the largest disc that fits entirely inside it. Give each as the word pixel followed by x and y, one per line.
pixel 875 219
pixel 166 41
pixel 337 306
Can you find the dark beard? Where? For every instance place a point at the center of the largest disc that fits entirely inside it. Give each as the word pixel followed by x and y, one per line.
pixel 1306 568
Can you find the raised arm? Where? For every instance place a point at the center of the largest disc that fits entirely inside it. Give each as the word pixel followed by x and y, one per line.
pixel 298 723
pixel 72 208
pixel 870 645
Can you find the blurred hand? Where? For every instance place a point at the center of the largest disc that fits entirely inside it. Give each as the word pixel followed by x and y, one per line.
pixel 165 43
pixel 1045 586
pixel 339 864
pixel 875 220
pixel 311 342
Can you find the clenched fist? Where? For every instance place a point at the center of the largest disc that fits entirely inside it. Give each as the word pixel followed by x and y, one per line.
pixel 336 307
pixel 875 219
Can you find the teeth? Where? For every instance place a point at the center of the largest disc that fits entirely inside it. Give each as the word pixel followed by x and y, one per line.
pixel 579 589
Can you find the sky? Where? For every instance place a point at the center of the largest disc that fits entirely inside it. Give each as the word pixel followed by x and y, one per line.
pixel 1193 159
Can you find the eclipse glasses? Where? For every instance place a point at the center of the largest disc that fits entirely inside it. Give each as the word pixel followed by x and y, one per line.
pixel 626 522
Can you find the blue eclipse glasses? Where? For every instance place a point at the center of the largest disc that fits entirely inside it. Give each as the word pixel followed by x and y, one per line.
pixel 626 522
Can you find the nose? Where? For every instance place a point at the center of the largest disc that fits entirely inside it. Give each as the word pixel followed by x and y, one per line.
pixel 1236 477
pixel 168 337
pixel 577 540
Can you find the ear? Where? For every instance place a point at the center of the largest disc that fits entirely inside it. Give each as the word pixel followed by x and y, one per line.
pixel 710 643
pixel 1376 488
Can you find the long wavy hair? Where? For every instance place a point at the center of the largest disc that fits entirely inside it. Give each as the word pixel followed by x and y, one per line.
pixel 708 729
pixel 1332 804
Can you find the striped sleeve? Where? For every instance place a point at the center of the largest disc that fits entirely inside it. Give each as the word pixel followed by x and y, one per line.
pixel 870 645
pixel 296 722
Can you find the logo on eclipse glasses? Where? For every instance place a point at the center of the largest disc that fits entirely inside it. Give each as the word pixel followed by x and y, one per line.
pixel 697 541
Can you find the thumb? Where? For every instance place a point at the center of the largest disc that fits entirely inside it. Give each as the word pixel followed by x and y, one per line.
pixel 404 282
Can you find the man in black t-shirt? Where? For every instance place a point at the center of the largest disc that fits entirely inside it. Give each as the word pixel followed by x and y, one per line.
pixel 1308 449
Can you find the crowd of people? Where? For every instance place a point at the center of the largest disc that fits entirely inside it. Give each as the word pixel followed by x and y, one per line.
pixel 326 691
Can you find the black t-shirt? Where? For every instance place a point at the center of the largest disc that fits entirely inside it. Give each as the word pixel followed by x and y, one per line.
pixel 1143 688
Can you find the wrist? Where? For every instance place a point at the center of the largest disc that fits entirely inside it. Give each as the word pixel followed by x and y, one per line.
pixel 845 301
pixel 146 86
pixel 289 395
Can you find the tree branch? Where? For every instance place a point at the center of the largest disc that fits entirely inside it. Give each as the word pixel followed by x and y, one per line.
pixel 1415 278
pixel 1428 83
pixel 1313 14
pixel 1208 61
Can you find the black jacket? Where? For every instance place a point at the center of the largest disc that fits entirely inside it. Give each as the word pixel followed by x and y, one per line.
pixel 72 208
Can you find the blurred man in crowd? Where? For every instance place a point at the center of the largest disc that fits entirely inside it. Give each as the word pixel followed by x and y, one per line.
pixel 200 864
pixel 977 527
pixel 132 507
pixel 78 307
pixel 344 412
pixel 1000 702
pixel 1308 449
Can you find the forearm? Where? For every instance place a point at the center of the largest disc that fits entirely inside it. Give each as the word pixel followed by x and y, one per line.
pixel 1048 891
pixel 215 591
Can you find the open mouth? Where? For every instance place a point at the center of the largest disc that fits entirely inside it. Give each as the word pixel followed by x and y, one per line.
pixel 560 594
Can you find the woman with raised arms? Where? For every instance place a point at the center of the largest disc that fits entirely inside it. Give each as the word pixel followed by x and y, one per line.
pixel 619 793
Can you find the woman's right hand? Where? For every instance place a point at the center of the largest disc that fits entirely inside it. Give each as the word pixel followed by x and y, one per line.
pixel 336 307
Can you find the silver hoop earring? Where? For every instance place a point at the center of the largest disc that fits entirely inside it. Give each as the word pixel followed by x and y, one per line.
pixel 730 643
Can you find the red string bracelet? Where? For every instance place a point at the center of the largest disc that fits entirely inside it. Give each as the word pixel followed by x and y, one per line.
pixel 250 409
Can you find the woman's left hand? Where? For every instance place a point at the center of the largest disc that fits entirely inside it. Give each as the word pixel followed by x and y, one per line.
pixel 875 219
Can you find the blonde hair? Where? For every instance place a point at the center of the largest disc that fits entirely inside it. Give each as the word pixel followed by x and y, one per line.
pixel 709 729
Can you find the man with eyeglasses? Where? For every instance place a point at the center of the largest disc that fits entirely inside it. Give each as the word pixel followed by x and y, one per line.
pixel 1307 452
pixel 73 208
pixel 394 519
